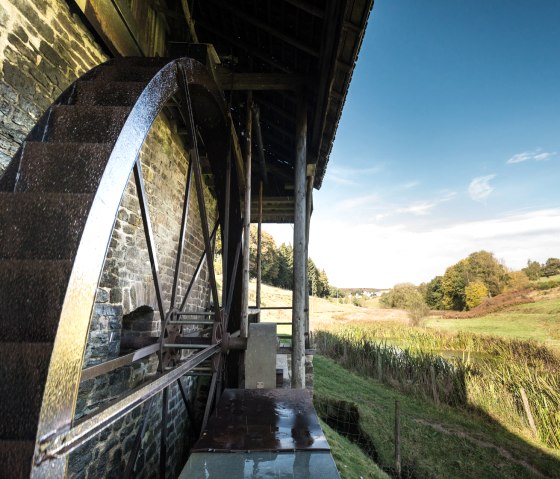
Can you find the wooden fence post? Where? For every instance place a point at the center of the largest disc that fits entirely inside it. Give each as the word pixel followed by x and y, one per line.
pixel 397 440
pixel 528 412
pixel 434 385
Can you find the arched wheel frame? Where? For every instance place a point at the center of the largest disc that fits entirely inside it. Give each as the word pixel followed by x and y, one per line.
pixel 86 240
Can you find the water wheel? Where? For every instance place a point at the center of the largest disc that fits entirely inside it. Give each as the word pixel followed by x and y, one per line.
pixel 59 199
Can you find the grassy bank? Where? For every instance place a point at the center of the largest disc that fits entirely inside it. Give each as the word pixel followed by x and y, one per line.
pixel 539 321
pixel 493 386
pixel 437 442
pixel 351 461
pixel 428 339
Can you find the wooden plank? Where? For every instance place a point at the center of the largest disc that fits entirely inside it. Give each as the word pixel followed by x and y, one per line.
pixel 259 81
pixel 307 7
pixel 106 21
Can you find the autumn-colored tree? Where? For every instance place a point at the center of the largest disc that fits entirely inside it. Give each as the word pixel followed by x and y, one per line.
pixel 517 280
pixel 483 266
pixel 475 293
pixel 480 266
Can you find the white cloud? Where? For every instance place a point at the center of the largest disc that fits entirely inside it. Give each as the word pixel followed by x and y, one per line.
pixel 373 255
pixel 479 187
pixel 352 203
pixel 537 155
pixel 351 176
pixel 410 184
pixel 422 208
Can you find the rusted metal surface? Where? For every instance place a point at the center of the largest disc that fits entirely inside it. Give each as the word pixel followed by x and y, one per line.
pixel 263 420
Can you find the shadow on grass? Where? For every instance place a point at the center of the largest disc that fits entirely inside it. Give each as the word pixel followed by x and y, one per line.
pixel 445 440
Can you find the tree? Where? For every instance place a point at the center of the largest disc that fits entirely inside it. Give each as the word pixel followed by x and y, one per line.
pixel 417 309
pixel 479 266
pixel 533 270
pixel 401 296
pixel 454 282
pixel 407 296
pixel 483 266
pixel 269 257
pixel 517 280
pixel 475 293
pixel 551 267
pixel 434 293
pixel 285 266
pixel 318 281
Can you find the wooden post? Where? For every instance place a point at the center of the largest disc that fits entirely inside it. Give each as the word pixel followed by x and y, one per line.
pixel 397 439
pixel 300 264
pixel 308 206
pixel 225 235
pixel 379 366
pixel 434 385
pixel 259 245
pixel 244 329
pixel 528 412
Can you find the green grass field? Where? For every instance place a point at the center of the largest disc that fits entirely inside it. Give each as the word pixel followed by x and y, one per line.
pixel 539 321
pixel 437 442
pixel 350 460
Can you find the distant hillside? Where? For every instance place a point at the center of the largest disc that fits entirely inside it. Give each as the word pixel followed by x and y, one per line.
pixel 362 291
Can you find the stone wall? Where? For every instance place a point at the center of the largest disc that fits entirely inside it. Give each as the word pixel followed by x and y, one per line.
pixel 126 283
pixel 43 49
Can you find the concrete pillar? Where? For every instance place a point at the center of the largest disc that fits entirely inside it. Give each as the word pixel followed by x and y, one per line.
pixel 300 262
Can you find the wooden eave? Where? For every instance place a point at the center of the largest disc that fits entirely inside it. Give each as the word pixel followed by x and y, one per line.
pixel 284 51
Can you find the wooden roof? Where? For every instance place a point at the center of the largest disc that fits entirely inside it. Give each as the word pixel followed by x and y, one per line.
pixel 284 51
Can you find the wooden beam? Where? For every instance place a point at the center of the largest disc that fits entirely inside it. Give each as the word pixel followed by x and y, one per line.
pixel 105 19
pixel 306 7
pixel 259 245
pixel 275 108
pixel 229 80
pixel 277 128
pixel 189 20
pixel 244 330
pixel 280 172
pixel 300 263
pixel 331 38
pixel 276 200
pixel 263 56
pixel 248 18
pixel 260 146
pixel 238 155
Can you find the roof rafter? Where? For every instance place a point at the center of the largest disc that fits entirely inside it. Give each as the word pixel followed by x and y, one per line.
pixel 266 28
pixel 306 7
pixel 230 80
pixel 244 46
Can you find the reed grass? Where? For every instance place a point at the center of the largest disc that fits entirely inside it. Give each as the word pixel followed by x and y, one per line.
pixel 489 385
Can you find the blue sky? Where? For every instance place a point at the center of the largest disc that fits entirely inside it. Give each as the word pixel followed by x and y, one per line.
pixel 449 143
